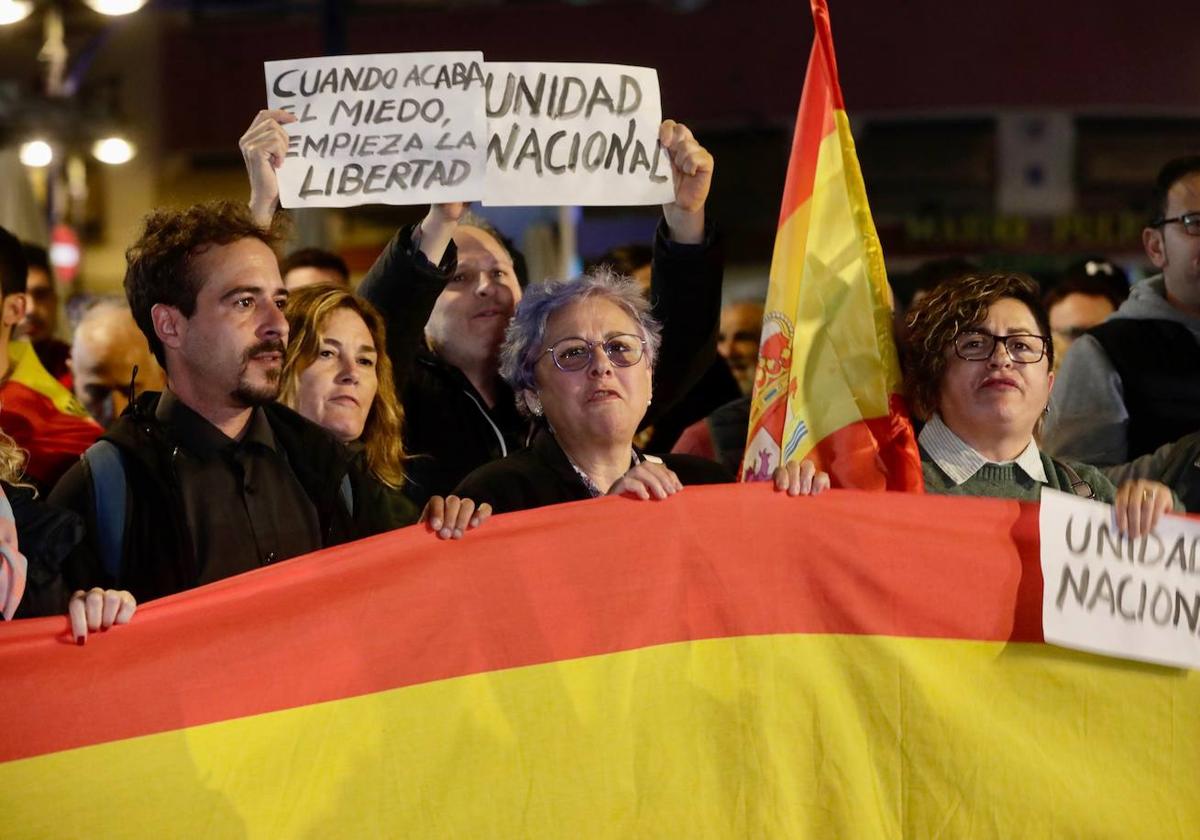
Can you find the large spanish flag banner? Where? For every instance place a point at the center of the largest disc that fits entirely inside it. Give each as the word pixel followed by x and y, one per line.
pixel 610 668
pixel 828 377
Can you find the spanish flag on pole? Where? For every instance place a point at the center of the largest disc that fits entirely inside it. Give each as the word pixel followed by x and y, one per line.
pixel 828 377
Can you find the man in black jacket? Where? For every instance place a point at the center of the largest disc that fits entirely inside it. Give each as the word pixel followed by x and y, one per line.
pixel 219 479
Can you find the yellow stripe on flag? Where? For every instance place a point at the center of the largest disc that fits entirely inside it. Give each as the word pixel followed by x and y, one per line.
pixel 28 371
pixel 759 736
pixel 835 350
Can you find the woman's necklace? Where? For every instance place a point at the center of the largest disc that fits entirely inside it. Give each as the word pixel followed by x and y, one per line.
pixel 592 487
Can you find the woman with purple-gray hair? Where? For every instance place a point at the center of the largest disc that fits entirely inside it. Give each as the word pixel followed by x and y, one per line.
pixel 579 355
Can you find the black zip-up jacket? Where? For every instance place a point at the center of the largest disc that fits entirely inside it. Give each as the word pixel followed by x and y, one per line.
pixel 449 429
pixel 543 475
pixel 158 556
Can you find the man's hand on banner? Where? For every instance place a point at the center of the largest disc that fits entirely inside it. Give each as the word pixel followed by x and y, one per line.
pixel 800 478
pixel 98 609
pixel 692 168
pixel 264 146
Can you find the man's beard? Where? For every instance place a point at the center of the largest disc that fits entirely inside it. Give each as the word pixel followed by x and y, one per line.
pixel 252 394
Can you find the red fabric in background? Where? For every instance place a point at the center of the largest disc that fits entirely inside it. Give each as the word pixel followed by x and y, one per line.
pixel 53 440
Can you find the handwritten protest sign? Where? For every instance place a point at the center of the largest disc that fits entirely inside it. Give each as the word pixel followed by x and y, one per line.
pixel 1107 593
pixel 583 134
pixel 403 128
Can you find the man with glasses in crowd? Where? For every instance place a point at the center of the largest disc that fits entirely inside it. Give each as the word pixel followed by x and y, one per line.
pixel 1130 386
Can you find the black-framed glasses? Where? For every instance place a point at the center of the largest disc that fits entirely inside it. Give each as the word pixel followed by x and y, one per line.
pixel 1190 222
pixel 978 345
pixel 572 354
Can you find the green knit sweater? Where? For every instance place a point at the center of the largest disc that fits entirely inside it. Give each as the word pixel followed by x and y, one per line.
pixel 1008 481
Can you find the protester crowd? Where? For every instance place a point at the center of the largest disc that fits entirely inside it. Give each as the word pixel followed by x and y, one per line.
pixel 238 409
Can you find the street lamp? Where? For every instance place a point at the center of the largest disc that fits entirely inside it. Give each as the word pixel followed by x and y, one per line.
pixel 12 11
pixel 115 7
pixel 113 150
pixel 36 153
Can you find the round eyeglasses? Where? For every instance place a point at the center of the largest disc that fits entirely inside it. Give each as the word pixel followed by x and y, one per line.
pixel 572 354
pixel 977 345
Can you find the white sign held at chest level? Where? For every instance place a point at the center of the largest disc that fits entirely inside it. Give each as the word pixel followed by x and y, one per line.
pixel 1109 594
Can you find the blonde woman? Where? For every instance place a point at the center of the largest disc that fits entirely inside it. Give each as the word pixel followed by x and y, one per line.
pixel 337 374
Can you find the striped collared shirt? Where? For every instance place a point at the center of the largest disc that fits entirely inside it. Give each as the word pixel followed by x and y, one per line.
pixel 959 461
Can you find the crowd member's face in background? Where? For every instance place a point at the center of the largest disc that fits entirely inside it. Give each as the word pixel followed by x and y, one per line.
pixel 642 275
pixel 337 390
pixel 741 331
pixel 466 326
pixel 41 313
pixel 1173 250
pixel 107 347
pixel 1072 316
pixel 311 275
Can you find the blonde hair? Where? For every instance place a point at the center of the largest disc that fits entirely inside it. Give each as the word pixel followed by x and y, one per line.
pixel 308 310
pixel 12 460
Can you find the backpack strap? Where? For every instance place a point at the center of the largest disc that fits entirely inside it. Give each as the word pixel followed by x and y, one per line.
pixel 107 467
pixel 1078 486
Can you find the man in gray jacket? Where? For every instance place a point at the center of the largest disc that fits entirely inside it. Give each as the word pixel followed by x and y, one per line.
pixel 1132 384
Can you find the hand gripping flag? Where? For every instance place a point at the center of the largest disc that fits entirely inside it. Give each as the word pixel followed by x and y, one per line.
pixel 828 378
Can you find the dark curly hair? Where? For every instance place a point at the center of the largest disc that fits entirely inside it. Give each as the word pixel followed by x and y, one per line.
pixel 955 305
pixel 159 265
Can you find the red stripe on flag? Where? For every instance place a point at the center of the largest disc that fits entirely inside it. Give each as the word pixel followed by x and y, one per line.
pixel 557 583
pixel 879 453
pixel 821 96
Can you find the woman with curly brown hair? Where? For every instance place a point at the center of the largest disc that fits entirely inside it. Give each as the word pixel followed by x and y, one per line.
pixel 337 374
pixel 979 372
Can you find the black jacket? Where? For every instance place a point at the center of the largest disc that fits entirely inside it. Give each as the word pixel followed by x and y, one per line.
pixel 449 430
pixel 1158 362
pixel 47 534
pixel 158 557
pixel 541 475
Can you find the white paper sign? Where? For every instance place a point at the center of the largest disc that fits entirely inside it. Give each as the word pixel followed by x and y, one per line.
pixel 574 134
pixel 401 128
pixel 1105 593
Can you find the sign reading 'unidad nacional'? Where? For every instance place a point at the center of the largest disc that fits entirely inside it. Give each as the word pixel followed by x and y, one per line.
pixel 1107 593
pixel 412 128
